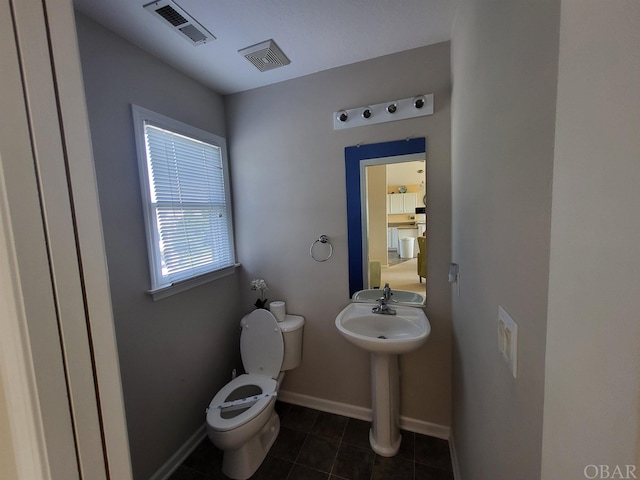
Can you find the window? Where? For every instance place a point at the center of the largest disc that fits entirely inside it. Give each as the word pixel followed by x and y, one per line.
pixel 184 178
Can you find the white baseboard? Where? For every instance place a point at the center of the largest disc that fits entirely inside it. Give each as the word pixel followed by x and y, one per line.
pixel 454 458
pixel 361 413
pixel 323 405
pixel 181 455
pixel 425 428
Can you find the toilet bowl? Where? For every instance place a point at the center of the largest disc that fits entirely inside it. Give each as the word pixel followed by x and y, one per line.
pixel 231 428
pixel 241 418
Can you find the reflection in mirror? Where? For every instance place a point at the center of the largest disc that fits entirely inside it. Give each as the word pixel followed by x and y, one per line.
pixel 386 215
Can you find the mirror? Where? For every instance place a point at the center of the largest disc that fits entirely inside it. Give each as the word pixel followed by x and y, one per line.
pixel 357 159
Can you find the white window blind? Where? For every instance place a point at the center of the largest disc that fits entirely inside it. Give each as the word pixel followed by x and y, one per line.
pixel 188 214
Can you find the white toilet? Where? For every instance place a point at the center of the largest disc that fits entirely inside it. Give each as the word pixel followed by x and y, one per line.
pixel 241 418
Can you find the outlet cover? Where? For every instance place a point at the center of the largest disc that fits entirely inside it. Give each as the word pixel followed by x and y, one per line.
pixel 508 339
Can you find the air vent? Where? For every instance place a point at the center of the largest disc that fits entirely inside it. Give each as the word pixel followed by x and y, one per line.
pixel 180 21
pixel 265 56
pixel 194 34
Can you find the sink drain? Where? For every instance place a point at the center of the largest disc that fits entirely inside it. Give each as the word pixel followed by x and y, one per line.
pixel 383 337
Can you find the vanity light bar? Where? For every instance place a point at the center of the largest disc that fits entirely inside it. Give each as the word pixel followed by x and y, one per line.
pixel 411 107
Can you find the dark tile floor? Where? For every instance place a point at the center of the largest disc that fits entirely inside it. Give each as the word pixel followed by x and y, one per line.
pixel 314 445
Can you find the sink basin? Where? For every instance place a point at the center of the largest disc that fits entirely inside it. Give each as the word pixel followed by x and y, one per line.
pixel 403 332
pixel 399 296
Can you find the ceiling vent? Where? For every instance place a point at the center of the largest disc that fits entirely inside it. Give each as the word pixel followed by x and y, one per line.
pixel 180 21
pixel 265 56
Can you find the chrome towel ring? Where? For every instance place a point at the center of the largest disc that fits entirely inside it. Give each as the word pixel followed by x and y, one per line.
pixel 324 240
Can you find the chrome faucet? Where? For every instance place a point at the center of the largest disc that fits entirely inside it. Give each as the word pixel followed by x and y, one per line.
pixel 383 308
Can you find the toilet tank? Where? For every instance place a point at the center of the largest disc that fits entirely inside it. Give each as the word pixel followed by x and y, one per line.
pixel 292 328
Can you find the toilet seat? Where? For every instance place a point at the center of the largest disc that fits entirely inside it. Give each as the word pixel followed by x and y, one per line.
pixel 214 414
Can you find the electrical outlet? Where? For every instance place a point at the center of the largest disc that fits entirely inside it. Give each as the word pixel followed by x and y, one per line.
pixel 508 339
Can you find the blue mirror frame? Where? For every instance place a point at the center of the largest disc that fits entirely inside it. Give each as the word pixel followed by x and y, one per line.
pixel 352 158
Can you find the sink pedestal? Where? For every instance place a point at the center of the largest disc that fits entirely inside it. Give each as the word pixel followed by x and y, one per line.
pixel 386 337
pixel 384 435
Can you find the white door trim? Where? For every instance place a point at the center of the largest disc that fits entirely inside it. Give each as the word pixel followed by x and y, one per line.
pixel 59 364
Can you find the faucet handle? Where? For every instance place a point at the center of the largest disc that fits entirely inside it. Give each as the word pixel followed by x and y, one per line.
pixel 387 292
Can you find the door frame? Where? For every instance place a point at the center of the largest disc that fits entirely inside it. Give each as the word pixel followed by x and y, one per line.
pixel 58 356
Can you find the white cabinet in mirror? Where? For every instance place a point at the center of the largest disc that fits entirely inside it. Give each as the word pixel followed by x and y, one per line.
pixel 401 203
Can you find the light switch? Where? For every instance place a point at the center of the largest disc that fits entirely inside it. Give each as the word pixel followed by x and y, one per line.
pixel 508 340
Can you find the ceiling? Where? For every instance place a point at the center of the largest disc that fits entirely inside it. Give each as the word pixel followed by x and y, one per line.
pixel 314 34
pixel 405 173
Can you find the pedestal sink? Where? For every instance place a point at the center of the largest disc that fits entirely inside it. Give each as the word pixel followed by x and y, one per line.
pixel 385 337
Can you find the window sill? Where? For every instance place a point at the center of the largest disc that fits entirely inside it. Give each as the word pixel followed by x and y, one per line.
pixel 178 287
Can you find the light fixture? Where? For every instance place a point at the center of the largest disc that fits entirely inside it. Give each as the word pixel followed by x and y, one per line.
pixel 391 110
pixel 419 102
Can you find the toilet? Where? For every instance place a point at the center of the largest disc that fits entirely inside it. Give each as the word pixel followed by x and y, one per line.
pixel 241 418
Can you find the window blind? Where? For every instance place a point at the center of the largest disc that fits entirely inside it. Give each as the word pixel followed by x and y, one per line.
pixel 188 200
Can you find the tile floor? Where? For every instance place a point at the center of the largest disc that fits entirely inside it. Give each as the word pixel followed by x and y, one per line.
pixel 315 445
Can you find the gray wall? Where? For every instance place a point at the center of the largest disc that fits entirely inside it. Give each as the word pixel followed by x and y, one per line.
pixel 504 64
pixel 289 188
pixel 592 389
pixel 177 352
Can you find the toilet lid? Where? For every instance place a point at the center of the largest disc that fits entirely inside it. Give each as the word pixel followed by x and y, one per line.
pixel 261 343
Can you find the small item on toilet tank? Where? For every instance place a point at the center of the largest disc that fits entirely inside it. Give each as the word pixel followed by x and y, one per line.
pixel 278 309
